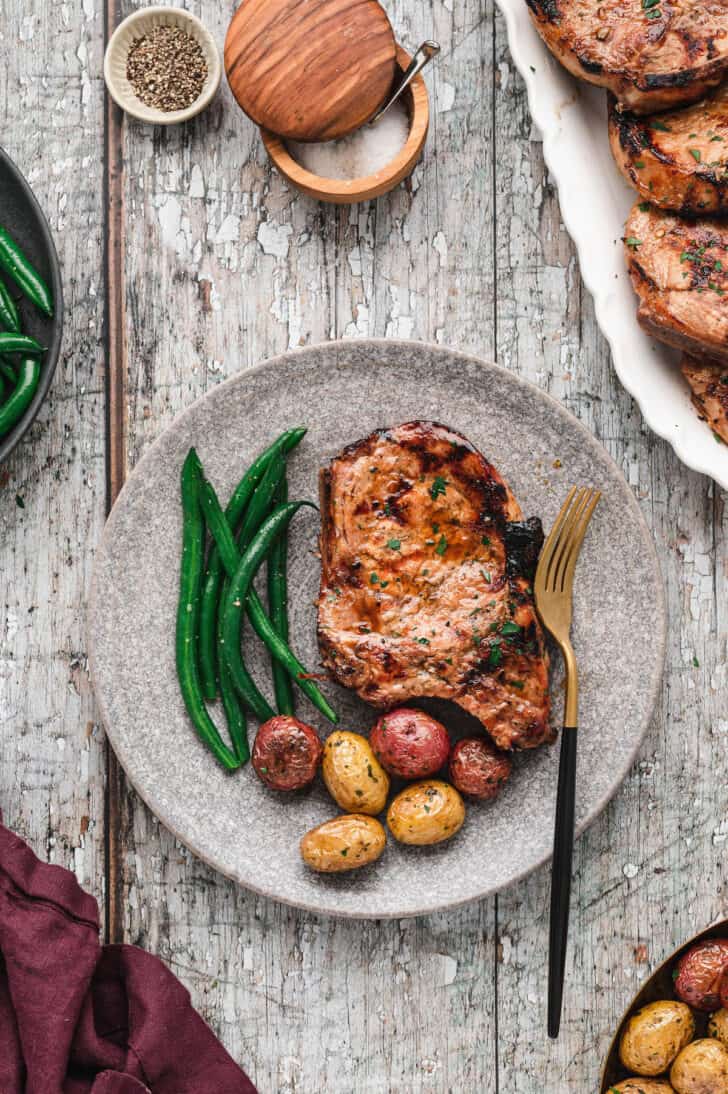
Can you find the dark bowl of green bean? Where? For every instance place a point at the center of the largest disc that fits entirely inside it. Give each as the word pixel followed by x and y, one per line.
pixel 31 306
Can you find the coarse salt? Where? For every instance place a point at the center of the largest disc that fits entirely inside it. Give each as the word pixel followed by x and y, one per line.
pixel 361 153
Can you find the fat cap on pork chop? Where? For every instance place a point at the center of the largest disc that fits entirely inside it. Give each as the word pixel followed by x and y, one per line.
pixel 426 570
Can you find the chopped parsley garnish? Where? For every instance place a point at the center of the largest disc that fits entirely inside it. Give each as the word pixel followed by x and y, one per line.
pixel 486 577
pixel 661 127
pixel 496 655
pixel 633 242
pixel 695 153
pixel 485 541
pixel 441 546
pixel 510 629
pixel 438 487
pixel 394 544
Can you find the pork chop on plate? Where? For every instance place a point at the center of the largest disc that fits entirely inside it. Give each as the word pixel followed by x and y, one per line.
pixel 426 571
pixel 709 390
pixel 652 54
pixel 679 270
pixel 677 160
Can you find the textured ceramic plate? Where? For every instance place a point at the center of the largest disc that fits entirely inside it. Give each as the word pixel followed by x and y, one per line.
pixel 595 200
pixel 21 214
pixel 342 391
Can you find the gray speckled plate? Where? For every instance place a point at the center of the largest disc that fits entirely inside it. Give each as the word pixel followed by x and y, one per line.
pixel 342 391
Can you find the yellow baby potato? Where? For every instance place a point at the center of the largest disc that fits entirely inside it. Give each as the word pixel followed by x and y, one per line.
pixel 354 777
pixel 655 1035
pixel 426 812
pixel 701 1068
pixel 718 1026
pixel 344 843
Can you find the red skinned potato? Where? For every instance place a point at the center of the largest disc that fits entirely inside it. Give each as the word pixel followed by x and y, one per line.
pixel 699 973
pixel 409 743
pixel 478 768
pixel 286 753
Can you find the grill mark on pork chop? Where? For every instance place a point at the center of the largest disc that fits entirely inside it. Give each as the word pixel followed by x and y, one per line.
pixel 679 270
pixel 677 160
pixel 442 603
pixel 651 58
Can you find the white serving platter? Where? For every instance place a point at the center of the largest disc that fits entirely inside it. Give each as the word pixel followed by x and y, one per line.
pixel 572 118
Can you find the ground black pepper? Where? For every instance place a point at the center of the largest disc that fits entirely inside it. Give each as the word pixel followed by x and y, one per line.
pixel 166 69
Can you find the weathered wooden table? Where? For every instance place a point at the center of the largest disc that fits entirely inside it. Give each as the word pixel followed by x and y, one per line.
pixel 185 259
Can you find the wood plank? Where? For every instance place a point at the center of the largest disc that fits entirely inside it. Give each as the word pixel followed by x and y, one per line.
pixel 52 770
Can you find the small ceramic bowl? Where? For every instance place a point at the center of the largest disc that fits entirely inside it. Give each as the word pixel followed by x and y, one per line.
pixel 136 26
pixel 658 986
pixel 350 191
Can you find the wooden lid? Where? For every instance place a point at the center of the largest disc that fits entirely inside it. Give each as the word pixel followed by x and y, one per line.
pixel 310 70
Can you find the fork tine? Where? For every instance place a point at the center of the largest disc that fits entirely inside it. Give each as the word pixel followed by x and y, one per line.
pixel 551 544
pixel 573 547
pixel 572 517
pixel 556 528
pixel 576 540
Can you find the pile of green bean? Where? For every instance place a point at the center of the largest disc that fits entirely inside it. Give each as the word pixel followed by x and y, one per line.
pixel 216 593
pixel 19 354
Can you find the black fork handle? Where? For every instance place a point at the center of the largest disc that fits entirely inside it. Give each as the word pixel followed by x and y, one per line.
pixel 561 876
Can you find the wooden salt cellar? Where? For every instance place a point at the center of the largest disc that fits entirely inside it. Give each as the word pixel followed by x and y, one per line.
pixel 310 70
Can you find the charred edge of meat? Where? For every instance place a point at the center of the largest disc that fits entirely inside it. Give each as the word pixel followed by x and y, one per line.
pixel 638 271
pixel 523 542
pixel 656 81
pixel 594 68
pixel 549 9
pixel 632 137
pixel 325 507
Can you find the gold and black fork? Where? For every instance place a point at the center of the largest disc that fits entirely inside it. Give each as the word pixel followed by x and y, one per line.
pixel 553 587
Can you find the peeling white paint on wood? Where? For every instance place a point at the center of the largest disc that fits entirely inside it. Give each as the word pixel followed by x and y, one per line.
pixel 224 266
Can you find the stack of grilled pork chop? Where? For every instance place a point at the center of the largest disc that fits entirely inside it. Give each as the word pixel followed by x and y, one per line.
pixel 665 64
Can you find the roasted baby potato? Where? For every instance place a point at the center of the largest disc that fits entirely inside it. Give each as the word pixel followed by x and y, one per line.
pixel 286 753
pixel 354 777
pixel 699 972
pixel 478 768
pixel 344 843
pixel 638 1085
pixel 718 1026
pixel 701 1068
pixel 655 1035
pixel 426 812
pixel 410 743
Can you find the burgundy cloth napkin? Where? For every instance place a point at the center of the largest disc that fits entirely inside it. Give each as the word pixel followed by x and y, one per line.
pixel 79 1018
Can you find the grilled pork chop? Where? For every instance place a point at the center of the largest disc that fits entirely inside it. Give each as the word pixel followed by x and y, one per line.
pixel 651 55
pixel 677 160
pixel 426 569
pixel 709 389
pixel 679 270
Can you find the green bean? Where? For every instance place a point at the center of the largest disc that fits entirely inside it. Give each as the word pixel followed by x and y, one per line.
pixel 9 318
pixel 193 540
pixel 257 509
pixel 25 387
pixel 278 610
pixel 10 342
pixel 17 266
pixel 279 649
pixel 240 593
pixel 8 370
pixel 215 572
pixel 243 682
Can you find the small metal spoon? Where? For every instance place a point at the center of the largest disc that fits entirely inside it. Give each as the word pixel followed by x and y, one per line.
pixel 422 57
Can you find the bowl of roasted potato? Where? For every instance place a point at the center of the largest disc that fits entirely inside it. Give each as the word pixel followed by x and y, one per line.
pixel 673 1039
